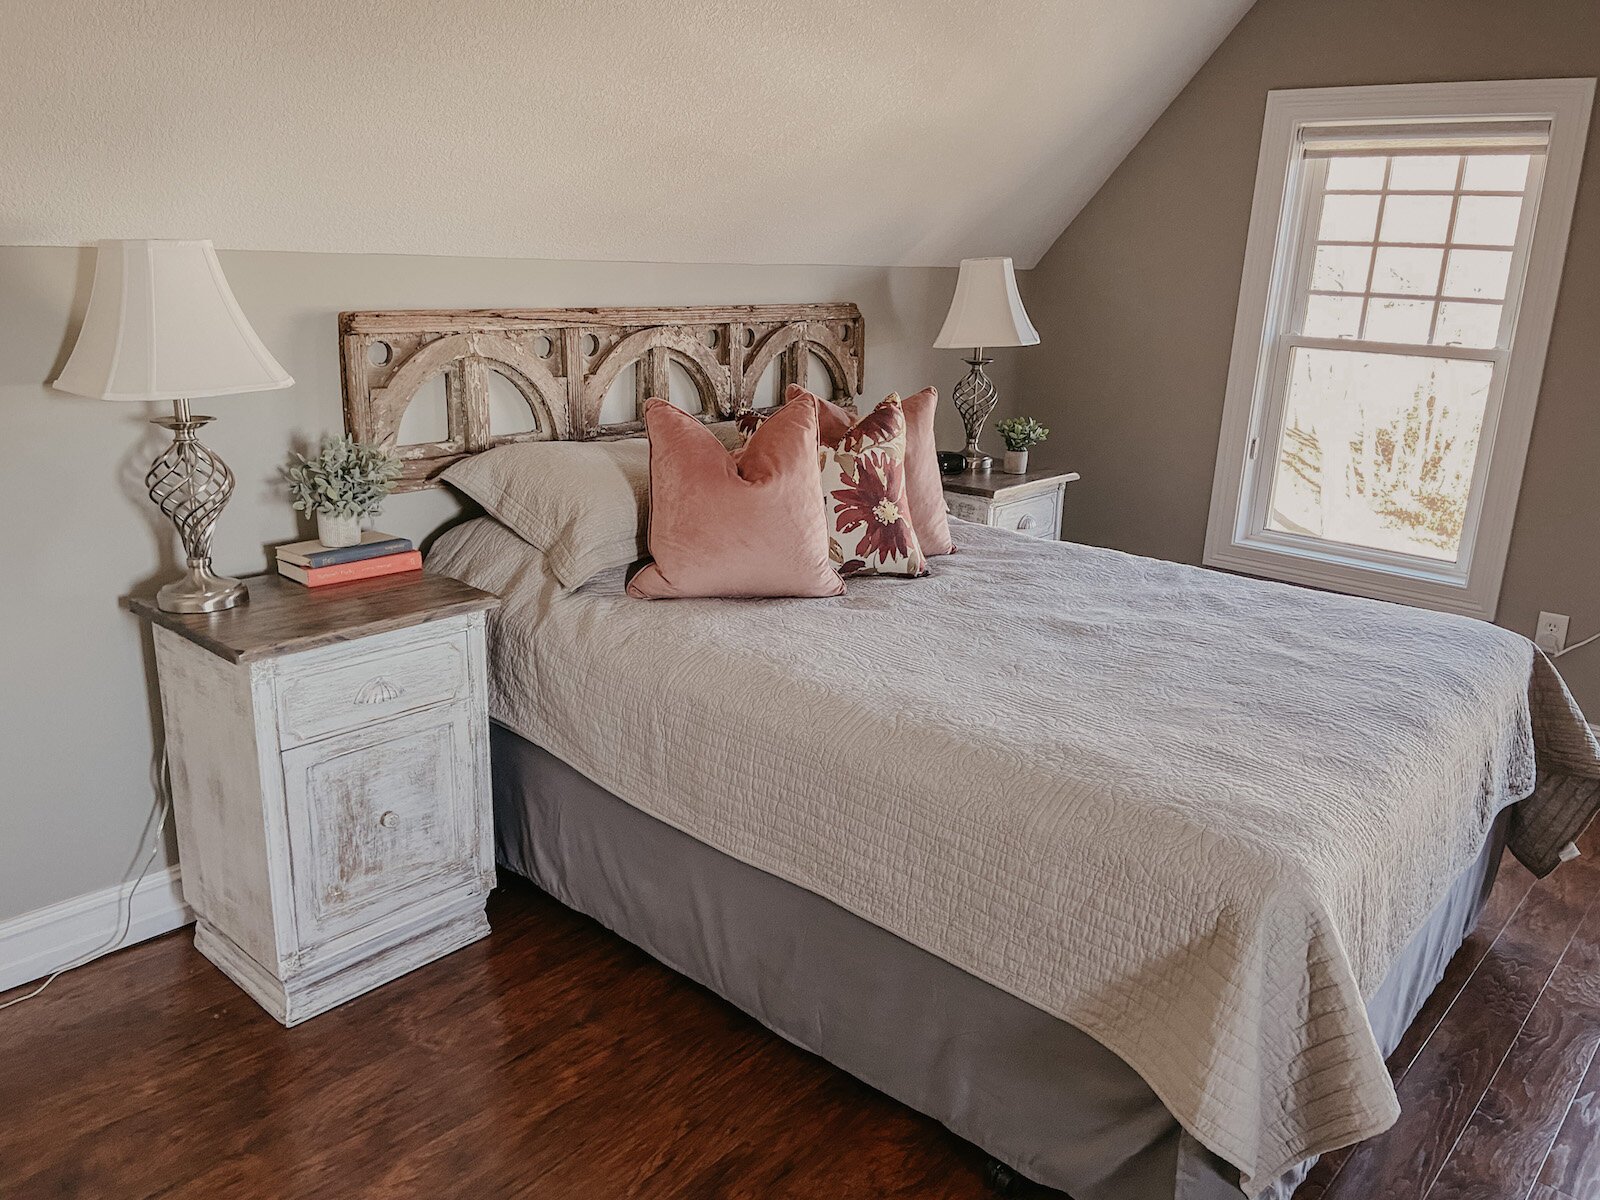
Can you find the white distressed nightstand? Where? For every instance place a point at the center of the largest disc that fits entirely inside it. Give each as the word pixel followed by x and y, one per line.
pixel 1030 503
pixel 330 777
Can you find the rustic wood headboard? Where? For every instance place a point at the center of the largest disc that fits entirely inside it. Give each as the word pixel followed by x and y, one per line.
pixel 563 362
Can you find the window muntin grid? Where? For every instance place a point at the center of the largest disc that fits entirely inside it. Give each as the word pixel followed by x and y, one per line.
pixel 1415 248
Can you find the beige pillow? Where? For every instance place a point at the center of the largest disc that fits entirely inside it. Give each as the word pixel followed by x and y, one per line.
pixel 585 505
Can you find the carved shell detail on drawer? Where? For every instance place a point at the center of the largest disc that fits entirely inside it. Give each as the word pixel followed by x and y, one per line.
pixel 379 691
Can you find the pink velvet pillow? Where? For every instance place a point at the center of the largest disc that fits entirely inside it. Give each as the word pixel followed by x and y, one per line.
pixel 720 526
pixel 924 485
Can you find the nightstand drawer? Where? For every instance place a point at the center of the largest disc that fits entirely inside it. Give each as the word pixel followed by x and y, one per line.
pixel 381 819
pixel 1037 516
pixel 968 508
pixel 348 689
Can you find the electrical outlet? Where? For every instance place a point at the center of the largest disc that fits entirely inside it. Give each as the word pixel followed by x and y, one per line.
pixel 1552 633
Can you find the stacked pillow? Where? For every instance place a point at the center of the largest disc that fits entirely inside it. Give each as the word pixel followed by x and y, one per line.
pixel 712 527
pixel 585 505
pixel 810 495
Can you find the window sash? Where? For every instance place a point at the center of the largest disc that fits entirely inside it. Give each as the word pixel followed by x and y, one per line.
pixel 1263 449
pixel 1309 176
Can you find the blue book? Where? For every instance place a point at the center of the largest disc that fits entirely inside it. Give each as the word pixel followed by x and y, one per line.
pixel 314 554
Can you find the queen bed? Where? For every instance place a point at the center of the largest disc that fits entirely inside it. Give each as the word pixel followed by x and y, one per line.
pixel 1129 872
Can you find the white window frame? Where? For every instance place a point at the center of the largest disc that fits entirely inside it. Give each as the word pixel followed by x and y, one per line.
pixel 1236 536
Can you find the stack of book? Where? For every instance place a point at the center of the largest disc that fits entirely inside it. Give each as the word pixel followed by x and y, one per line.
pixel 316 565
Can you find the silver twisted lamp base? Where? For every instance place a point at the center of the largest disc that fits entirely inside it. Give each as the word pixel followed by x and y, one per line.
pixel 191 485
pixel 975 398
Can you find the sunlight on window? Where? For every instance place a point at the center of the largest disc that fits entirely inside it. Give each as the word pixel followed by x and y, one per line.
pixel 1496 172
pixel 1478 273
pixel 1357 172
pixel 1488 220
pixel 1416 219
pixel 1378 450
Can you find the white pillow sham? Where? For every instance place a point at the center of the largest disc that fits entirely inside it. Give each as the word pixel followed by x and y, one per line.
pixel 585 505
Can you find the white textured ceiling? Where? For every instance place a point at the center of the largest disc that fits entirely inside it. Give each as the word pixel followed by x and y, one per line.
pixel 895 132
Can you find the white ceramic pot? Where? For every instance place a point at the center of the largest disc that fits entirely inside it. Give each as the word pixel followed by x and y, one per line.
pixel 1016 462
pixel 338 531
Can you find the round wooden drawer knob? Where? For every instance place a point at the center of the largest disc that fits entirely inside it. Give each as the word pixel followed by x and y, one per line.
pixel 389 820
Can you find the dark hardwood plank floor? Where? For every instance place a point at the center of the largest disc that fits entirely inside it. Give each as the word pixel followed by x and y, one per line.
pixel 555 1060
pixel 1573 1165
pixel 1489 1071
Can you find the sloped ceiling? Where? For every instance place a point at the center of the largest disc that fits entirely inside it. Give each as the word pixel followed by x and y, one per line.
pixel 885 132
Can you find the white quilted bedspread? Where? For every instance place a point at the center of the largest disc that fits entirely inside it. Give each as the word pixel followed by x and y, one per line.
pixel 1195 815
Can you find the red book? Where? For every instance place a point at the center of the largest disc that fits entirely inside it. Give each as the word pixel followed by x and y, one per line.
pixel 366 568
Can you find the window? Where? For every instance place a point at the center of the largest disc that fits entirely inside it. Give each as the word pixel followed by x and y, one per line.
pixel 1400 280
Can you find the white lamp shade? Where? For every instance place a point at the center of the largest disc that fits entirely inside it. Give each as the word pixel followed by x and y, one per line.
pixel 986 310
pixel 163 325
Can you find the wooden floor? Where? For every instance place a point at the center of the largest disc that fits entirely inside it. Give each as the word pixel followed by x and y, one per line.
pixel 554 1060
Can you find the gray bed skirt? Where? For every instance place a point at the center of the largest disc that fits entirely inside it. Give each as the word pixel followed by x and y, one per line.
pixel 1031 1090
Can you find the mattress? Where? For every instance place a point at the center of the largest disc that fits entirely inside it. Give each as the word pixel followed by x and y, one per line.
pixel 1034 1092
pixel 1196 816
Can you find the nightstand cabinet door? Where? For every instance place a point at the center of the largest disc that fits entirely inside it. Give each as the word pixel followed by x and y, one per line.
pixel 380 820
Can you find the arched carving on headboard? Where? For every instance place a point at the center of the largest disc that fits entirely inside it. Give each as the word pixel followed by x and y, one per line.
pixel 546 400
pixel 650 348
pixel 463 357
pixel 791 346
pixel 833 354
pixel 563 360
pixel 777 342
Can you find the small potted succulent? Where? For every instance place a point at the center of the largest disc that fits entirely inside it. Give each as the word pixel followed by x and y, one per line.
pixel 345 483
pixel 1019 434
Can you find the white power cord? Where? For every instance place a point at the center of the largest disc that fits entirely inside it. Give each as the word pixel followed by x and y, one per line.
pixel 124 919
pixel 1594 637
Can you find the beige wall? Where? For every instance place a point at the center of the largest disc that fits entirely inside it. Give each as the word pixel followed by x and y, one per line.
pixel 901 132
pixel 77 710
pixel 1136 300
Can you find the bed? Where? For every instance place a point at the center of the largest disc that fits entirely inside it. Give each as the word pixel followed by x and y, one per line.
pixel 1128 872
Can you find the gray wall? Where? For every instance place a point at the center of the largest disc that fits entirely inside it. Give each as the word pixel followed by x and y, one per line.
pixel 1135 302
pixel 78 712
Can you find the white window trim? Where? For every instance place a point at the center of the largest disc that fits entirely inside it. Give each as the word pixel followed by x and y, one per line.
pixel 1265 286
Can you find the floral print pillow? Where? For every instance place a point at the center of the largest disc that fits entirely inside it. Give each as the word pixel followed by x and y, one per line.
pixel 864 492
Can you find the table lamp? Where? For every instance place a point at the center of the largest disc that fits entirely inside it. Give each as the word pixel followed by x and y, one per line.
pixel 986 311
pixel 163 324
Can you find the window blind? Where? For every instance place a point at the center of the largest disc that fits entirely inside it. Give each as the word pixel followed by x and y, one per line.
pixel 1436 137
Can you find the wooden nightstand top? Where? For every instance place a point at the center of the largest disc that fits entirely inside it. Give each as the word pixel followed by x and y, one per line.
pixel 995 482
pixel 284 617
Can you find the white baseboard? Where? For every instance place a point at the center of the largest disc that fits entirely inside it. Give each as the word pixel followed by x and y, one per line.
pixel 38 942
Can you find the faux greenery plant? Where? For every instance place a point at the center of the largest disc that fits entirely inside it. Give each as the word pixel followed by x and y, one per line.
pixel 347 478
pixel 1019 433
